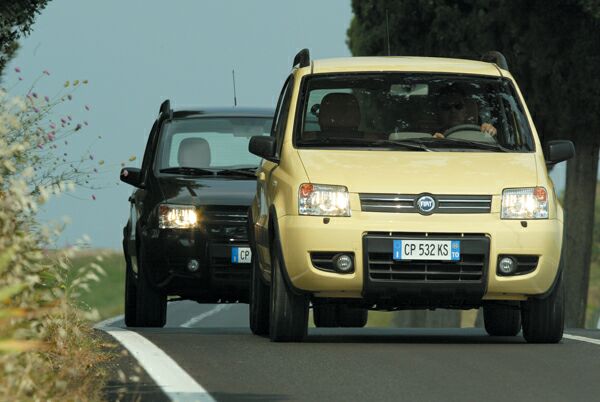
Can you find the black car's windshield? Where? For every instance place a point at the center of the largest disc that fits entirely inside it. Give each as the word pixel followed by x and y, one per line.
pixel 205 145
pixel 459 111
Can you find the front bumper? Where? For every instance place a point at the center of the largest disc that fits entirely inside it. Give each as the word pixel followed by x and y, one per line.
pixel 168 252
pixel 301 235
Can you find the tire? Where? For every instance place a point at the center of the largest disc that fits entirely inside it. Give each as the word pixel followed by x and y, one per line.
pixel 501 320
pixel 130 298
pixel 352 317
pixel 259 301
pixel 151 306
pixel 544 319
pixel 326 315
pixel 289 312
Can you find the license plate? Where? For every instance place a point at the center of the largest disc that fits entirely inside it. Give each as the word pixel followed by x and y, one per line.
pixel 241 255
pixel 445 250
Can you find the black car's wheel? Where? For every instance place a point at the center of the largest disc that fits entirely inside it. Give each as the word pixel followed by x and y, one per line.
pixel 151 306
pixel 289 312
pixel 544 319
pixel 349 316
pixel 501 320
pixel 325 315
pixel 259 301
pixel 130 298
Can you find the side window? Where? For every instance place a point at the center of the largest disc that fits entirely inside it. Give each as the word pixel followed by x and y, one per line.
pixel 282 112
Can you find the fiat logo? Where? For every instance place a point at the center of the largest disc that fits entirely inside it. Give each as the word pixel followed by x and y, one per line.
pixel 425 204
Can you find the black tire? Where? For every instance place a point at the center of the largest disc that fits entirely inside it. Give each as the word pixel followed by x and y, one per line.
pixel 352 317
pixel 544 319
pixel 151 306
pixel 325 315
pixel 259 301
pixel 501 320
pixel 289 311
pixel 130 298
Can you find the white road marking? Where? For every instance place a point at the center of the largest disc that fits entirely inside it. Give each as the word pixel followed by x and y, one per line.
pixel 175 382
pixel 582 339
pixel 198 318
pixel 108 322
pixel 598 326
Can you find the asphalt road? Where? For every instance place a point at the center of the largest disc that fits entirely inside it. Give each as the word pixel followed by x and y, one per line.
pixel 215 347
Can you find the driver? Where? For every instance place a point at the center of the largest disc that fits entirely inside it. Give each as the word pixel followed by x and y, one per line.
pixel 452 112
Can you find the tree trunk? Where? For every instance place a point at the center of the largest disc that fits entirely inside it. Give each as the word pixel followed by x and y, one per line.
pixel 580 197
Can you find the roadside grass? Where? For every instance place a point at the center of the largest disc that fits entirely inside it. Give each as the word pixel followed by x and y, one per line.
pixel 106 296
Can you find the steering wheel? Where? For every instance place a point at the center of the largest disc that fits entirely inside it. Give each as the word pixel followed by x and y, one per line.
pixel 461 127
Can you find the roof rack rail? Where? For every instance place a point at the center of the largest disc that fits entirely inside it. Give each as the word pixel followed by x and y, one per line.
pixel 302 59
pixel 165 108
pixel 495 57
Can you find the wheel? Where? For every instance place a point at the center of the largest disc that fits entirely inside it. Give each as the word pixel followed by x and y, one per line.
pixel 259 301
pixel 352 316
pixel 544 319
pixel 151 306
pixel 289 312
pixel 325 315
pixel 130 298
pixel 501 320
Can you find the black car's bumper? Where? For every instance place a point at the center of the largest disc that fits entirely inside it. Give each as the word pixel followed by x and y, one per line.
pixel 169 251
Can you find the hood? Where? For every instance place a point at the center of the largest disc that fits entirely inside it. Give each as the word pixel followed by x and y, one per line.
pixel 207 191
pixel 384 171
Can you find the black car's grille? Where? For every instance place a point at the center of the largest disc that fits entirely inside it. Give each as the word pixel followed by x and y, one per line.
pixel 407 203
pixel 227 223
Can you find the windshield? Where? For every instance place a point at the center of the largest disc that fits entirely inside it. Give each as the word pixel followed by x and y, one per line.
pixel 209 143
pixel 436 111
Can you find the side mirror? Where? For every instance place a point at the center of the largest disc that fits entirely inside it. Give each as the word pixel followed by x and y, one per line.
pixel 263 146
pixel 558 151
pixel 131 176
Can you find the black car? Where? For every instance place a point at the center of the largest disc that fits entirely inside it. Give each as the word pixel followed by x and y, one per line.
pixel 186 237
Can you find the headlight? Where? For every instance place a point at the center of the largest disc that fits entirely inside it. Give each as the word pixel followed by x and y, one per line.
pixel 323 200
pixel 525 203
pixel 177 216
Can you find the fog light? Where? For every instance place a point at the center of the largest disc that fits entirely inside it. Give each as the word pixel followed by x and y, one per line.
pixel 507 266
pixel 343 263
pixel 193 265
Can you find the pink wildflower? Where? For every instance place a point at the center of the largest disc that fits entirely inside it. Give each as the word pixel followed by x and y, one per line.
pixel 17 69
pixel 52 125
pixel 46 98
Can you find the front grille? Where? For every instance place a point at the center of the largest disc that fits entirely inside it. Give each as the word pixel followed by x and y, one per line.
pixel 471 267
pixel 231 223
pixel 407 203
pixel 221 266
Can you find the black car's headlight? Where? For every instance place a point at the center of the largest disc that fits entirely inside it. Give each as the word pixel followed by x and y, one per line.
pixel 177 216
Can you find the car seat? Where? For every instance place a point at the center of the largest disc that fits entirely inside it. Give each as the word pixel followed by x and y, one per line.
pixel 194 152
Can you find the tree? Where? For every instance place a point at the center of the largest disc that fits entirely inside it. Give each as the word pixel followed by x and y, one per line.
pixel 553 50
pixel 16 18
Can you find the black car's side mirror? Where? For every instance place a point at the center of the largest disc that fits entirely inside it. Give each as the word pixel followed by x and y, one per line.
pixel 131 176
pixel 264 147
pixel 558 151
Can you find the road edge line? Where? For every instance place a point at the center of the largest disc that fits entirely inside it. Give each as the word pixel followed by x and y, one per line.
pixel 108 322
pixel 174 381
pixel 582 339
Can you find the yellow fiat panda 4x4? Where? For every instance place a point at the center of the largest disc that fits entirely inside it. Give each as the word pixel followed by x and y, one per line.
pixel 405 183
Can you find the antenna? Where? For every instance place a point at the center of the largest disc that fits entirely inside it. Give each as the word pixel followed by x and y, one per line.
pixel 234 94
pixel 387 30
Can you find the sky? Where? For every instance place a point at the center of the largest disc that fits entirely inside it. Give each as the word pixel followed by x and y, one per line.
pixel 135 54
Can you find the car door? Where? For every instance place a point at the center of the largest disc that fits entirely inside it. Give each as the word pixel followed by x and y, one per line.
pixel 264 183
pixel 138 198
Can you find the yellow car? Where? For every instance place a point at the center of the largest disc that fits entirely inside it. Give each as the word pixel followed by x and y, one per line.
pixel 405 183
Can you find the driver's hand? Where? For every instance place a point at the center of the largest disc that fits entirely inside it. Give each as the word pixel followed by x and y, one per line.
pixel 488 129
pixel 439 136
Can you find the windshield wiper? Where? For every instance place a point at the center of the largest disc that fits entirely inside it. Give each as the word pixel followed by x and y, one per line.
pixel 452 143
pixel 192 171
pixel 250 172
pixel 363 141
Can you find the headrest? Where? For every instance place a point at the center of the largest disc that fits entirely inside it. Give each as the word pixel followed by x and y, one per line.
pixel 194 152
pixel 339 111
